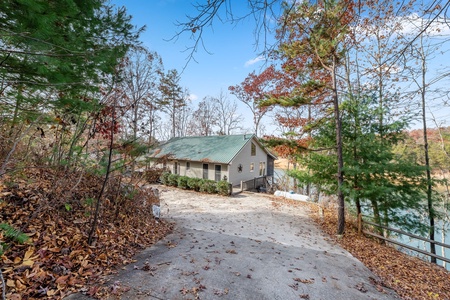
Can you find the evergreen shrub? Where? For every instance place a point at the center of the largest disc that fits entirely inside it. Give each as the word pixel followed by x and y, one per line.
pixel 183 182
pixel 223 188
pixel 165 178
pixel 194 183
pixel 173 179
pixel 208 186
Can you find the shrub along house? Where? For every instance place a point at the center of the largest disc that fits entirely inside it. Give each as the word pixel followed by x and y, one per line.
pixel 235 158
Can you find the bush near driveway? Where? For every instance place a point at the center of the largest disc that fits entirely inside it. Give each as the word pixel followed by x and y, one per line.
pixel 223 188
pixel 195 184
pixel 165 178
pixel 173 179
pixel 183 182
pixel 208 186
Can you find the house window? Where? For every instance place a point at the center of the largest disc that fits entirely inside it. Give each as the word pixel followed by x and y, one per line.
pixel 253 152
pixel 188 165
pixel 175 168
pixel 205 171
pixel 218 172
pixel 252 167
pixel 262 168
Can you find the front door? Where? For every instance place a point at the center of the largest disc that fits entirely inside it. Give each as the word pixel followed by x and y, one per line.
pixel 205 171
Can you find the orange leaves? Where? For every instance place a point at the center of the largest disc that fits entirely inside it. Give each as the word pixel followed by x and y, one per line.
pixel 256 88
pixel 305 281
pixel 28 259
pixel 410 277
pixel 57 260
pixel 287 148
pixel 63 280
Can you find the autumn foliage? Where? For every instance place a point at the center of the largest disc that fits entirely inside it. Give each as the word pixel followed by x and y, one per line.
pixel 57 260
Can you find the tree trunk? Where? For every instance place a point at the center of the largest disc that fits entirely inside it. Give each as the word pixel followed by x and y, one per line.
pixel 105 181
pixel 376 217
pixel 427 165
pixel 340 160
pixel 357 200
pixel 444 263
pixel 308 185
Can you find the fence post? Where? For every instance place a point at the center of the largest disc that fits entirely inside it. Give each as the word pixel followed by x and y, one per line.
pixel 359 224
pixel 242 186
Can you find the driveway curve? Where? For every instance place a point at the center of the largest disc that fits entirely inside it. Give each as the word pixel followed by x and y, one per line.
pixel 247 246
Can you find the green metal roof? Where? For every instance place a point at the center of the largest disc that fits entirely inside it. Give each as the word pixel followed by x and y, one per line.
pixel 219 149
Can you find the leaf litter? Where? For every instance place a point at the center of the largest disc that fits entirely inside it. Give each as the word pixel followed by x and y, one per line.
pixel 57 261
pixel 409 276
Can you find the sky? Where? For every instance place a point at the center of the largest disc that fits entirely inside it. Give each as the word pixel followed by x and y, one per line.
pixel 228 57
pixel 229 54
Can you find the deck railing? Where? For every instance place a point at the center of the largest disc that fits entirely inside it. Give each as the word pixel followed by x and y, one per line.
pixel 258 184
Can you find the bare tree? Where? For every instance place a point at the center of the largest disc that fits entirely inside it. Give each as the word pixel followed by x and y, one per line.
pixel 141 76
pixel 228 118
pixel 163 130
pixel 378 40
pixel 183 115
pixel 422 51
pixel 263 12
pixel 204 118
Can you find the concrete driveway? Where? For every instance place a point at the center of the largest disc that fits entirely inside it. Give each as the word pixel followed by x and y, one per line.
pixel 244 247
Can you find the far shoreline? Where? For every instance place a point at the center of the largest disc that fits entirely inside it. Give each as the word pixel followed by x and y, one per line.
pixel 282 163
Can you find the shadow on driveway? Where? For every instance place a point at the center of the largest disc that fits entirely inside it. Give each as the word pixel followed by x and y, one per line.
pixel 243 247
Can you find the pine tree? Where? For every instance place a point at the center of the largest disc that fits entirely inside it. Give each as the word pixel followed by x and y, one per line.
pixel 54 56
pixel 172 97
pixel 376 180
pixel 313 37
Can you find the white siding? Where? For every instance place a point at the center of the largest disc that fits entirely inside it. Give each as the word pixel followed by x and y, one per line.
pixel 245 158
pixel 212 172
pixel 196 169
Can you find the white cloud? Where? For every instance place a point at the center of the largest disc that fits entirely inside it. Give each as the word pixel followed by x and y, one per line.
pixel 405 26
pixel 193 97
pixel 413 24
pixel 253 61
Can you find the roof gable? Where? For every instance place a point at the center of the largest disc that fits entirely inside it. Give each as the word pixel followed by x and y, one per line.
pixel 219 149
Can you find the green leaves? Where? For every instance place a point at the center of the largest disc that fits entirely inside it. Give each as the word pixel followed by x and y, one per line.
pixel 13 234
pixel 374 175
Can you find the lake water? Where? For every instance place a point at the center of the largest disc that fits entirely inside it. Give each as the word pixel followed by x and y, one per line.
pixel 426 246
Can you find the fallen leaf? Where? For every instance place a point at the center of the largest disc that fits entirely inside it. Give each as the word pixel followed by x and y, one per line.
pixel 14 297
pixel 10 283
pixel 62 279
pixel 306 281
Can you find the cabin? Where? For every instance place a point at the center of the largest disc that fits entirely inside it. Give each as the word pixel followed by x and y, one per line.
pixel 235 158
